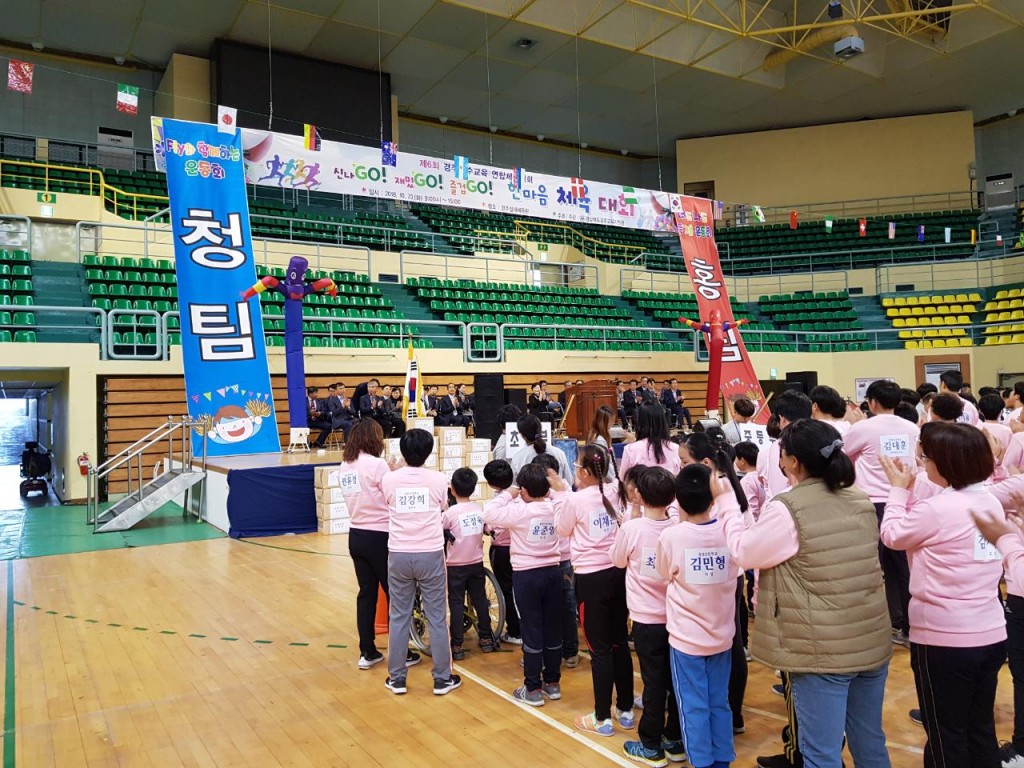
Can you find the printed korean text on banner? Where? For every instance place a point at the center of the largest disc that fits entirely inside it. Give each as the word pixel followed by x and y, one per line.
pixel 19 76
pixel 697 238
pixel 227 383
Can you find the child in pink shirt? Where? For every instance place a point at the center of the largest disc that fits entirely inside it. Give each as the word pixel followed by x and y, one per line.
pixel 589 519
pixel 499 477
pixel 652 447
pixel 701 618
pixel 536 579
pixel 991 408
pixel 635 549
pixel 416 498
pixel 464 527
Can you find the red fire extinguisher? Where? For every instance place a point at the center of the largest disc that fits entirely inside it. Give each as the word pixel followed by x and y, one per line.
pixel 84 465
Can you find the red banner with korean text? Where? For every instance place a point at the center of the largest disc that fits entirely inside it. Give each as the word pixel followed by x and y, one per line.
pixel 696 229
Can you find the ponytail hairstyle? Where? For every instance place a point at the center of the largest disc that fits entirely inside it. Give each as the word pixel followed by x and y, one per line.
pixel 632 478
pixel 594 459
pixel 703 445
pixel 652 426
pixel 819 449
pixel 529 428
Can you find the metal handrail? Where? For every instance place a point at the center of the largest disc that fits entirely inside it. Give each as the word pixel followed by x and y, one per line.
pixel 33 308
pixel 440 261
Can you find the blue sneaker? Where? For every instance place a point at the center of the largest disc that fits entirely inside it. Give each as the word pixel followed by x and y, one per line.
pixel 635 750
pixel 674 750
pixel 626 718
pixel 590 724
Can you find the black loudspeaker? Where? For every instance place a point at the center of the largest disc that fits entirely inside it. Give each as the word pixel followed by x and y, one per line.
pixel 804 381
pixel 703 425
pixel 488 397
pixel 516 396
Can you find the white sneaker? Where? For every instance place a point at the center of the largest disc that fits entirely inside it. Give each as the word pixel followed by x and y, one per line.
pixel 366 662
pixel 507 638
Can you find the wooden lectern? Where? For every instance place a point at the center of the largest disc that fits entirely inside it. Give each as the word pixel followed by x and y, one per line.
pixel 590 396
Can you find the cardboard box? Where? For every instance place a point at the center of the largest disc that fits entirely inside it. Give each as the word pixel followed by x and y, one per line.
pixel 332 511
pixel 476 444
pixel 431 462
pixel 452 451
pixel 451 463
pixel 478 460
pixel 391 447
pixel 450 435
pixel 326 477
pixel 421 422
pixel 333 527
pixel 484 492
pixel 330 496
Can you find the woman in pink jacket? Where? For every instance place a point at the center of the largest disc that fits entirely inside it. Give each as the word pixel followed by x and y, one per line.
pixel 957 626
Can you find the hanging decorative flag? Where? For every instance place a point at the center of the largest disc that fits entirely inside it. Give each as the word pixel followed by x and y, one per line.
pixel 227 119
pixel 718 212
pixel 999 239
pixel 128 99
pixel 675 203
pixel 949 234
pixel 517 179
pixel 828 224
pixel 759 215
pixel 411 401
pixel 862 227
pixel 389 153
pixel 794 219
pixel 19 76
pixel 310 137
pixel 974 237
pixel 578 188
pixel 920 233
pixel 629 196
pixel 460 167
pixel 892 230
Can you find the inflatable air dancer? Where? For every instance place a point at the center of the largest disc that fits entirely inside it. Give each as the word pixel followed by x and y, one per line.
pixel 715 330
pixel 295 289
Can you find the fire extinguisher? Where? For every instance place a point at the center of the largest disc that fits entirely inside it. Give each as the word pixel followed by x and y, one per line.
pixel 84 465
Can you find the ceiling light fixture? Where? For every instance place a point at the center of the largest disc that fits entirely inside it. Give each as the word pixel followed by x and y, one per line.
pixel 583 145
pixel 443 119
pixel 540 137
pixel 494 129
pixel 524 43
pixel 37 46
pixel 835 9
pixel 624 152
pixel 119 60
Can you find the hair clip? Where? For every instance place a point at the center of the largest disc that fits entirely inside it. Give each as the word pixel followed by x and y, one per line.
pixel 829 449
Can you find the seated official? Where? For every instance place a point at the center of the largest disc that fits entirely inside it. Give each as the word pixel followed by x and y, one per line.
pixel 675 403
pixel 393 410
pixel 537 403
pixel 339 409
pixel 448 414
pixel 371 406
pixel 317 416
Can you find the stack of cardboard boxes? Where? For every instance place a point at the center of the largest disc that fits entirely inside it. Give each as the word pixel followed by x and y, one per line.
pixel 331 510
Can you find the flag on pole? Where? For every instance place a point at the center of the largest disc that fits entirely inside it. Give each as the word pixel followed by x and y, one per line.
pixel 828 224
pixel 949 234
pixel 920 233
pixel 389 153
pixel 862 227
pixel 759 215
pixel 999 239
pixel 227 119
pixel 629 196
pixel 19 76
pixel 310 137
pixel 517 179
pixel 718 211
pixel 128 99
pixel 411 404
pixel 974 237
pixel 892 230
pixel 460 167
pixel 794 219
pixel 577 188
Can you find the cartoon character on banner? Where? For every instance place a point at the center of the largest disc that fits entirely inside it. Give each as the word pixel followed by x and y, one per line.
pixel 233 423
pixel 715 330
pixel 295 289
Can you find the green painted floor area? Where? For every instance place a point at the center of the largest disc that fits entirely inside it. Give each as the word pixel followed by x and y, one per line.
pixel 62 530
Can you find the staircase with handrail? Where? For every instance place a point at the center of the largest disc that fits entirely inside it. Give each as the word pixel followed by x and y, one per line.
pixel 183 475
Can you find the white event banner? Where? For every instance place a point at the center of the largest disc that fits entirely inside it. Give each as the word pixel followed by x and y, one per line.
pixel 282 161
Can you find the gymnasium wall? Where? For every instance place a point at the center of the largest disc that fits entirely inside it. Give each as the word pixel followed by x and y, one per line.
pixel 843 161
pixel 184 90
pixel 998 147
pixel 72 98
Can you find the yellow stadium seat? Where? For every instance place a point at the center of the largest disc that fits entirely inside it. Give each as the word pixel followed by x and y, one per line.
pixel 911 345
pixel 946 333
pixel 961 297
pixel 991 341
pixel 905 311
pixel 963 320
pixel 1017 314
pixel 899 322
pixel 917 334
pixel 1003 317
pixel 939 344
pixel 900 301
pixel 929 310
pixel 966 342
pixel 1004 304
pixel 1016 303
pixel 888 302
pixel 916 322
pixel 975 297
pixel 992 317
pixel 1001 295
pixel 970 308
pixel 926 344
pixel 959 331
pixel 1014 293
pixel 955 309
pixel 1018 338
pixel 949 298
pixel 904 334
pixel 991 305
pixel 892 312
pixel 913 301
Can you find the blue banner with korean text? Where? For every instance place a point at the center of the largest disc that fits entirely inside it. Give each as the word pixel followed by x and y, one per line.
pixel 227 382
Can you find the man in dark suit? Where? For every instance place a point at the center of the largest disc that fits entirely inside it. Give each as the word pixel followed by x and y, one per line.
pixel 317 416
pixel 563 397
pixel 448 410
pixel 632 399
pixel 339 407
pixel 371 406
pixel 673 399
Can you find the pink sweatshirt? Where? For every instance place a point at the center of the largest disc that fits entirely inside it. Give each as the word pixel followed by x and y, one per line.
pixel 1014 456
pixel 640 453
pixel 954 572
pixel 1003 491
pixel 466 523
pixel 869 440
pixel 361 484
pixel 754 490
pixel 842 426
pixel 532 528
pixel 591 530
pixel 636 548
pixel 1011 546
pixel 970 414
pixel 773 479
pixel 700 607
pixel 1002 433
pixel 416 498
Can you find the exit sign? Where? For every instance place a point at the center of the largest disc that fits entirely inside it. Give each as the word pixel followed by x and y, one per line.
pixel 48 198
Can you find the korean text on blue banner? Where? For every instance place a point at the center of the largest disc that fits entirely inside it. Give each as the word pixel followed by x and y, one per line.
pixel 227 383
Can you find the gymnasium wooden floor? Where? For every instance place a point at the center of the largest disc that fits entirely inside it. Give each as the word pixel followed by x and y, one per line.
pixel 235 653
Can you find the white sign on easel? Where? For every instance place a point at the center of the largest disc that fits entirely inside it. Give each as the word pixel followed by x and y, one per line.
pixel 860 387
pixel 754 433
pixel 514 442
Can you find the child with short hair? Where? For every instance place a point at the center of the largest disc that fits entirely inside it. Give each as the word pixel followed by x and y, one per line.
pixel 635 549
pixel 746 467
pixel 416 498
pixel 465 524
pixel 701 616
pixel 536 580
pixel 498 474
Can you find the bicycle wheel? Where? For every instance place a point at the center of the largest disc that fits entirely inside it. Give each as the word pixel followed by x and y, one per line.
pixel 419 632
pixel 496 601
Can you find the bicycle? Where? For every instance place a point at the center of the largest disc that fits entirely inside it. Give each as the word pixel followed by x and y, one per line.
pixel 420 632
